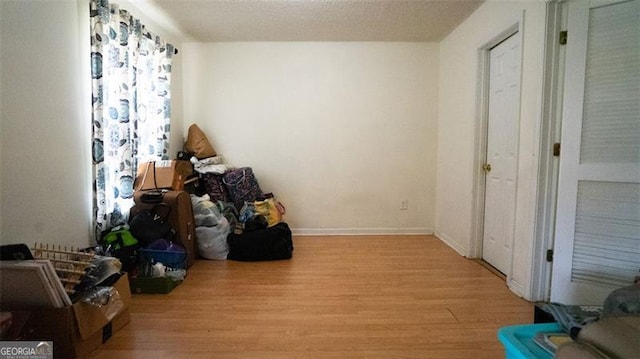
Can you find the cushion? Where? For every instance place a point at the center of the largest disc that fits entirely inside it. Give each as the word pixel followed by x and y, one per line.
pixel 617 336
pixel 198 144
pixel 608 337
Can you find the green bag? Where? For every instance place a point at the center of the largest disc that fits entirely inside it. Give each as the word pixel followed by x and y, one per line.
pixel 123 245
pixel 120 239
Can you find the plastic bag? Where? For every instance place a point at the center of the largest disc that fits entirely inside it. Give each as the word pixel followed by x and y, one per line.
pixel 212 228
pixel 103 268
pixel 623 301
pixel 212 241
pixel 205 212
pixel 99 296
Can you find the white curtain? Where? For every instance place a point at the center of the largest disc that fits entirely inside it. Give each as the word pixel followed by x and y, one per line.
pixel 131 102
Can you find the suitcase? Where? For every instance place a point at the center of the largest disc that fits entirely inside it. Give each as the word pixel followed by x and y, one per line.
pixel 180 218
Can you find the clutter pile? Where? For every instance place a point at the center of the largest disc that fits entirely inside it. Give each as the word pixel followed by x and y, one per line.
pixel 195 206
pixel 74 298
pixel 235 219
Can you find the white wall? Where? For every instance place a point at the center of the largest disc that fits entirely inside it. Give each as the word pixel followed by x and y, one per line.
pixel 45 136
pixel 459 121
pixel 1 116
pixel 45 181
pixel 341 132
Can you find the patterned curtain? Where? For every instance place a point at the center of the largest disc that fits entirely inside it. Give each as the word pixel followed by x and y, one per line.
pixel 131 107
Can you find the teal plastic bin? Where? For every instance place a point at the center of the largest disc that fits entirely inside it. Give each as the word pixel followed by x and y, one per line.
pixel 518 340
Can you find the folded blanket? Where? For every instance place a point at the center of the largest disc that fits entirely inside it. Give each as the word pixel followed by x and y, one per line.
pixel 210 165
pixel 572 317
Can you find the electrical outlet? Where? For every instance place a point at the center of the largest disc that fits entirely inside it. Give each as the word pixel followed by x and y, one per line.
pixel 404 205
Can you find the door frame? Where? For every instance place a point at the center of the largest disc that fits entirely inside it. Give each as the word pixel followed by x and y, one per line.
pixel 482 120
pixel 548 167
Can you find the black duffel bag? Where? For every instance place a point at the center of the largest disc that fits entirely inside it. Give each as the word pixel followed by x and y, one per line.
pixel 147 225
pixel 266 244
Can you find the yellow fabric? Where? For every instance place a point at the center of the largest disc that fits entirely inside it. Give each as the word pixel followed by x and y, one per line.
pixel 271 209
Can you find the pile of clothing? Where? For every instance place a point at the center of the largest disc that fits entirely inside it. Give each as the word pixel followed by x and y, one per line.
pixel 232 208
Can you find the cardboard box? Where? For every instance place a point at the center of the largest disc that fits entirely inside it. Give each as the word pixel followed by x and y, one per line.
pixel 75 330
pixel 168 175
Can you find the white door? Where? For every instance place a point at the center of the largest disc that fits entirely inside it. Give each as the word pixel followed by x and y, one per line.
pixel 502 153
pixel 597 240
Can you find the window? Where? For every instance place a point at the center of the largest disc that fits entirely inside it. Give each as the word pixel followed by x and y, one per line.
pixel 131 106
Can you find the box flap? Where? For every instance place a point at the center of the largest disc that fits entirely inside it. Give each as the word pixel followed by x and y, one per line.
pixel 91 318
pixel 122 286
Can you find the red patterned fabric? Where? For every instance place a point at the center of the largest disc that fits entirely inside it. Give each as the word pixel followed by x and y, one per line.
pixel 242 186
pixel 215 187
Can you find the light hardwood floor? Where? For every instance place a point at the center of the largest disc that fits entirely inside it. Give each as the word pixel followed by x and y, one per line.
pixel 339 297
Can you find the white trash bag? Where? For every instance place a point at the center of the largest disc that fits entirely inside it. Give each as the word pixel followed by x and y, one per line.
pixel 205 212
pixel 212 228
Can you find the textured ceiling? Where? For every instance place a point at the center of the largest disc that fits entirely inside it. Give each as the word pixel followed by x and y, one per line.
pixel 317 20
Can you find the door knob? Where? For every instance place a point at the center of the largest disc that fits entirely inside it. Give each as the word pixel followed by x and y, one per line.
pixel 486 167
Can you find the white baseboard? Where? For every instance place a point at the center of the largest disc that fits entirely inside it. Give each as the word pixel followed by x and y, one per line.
pixel 361 231
pixel 517 288
pixel 451 243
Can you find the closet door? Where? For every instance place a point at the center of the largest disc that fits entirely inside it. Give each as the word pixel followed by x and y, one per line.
pixel 501 169
pixel 597 241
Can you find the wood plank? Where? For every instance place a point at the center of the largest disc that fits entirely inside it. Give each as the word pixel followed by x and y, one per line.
pixel 339 297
